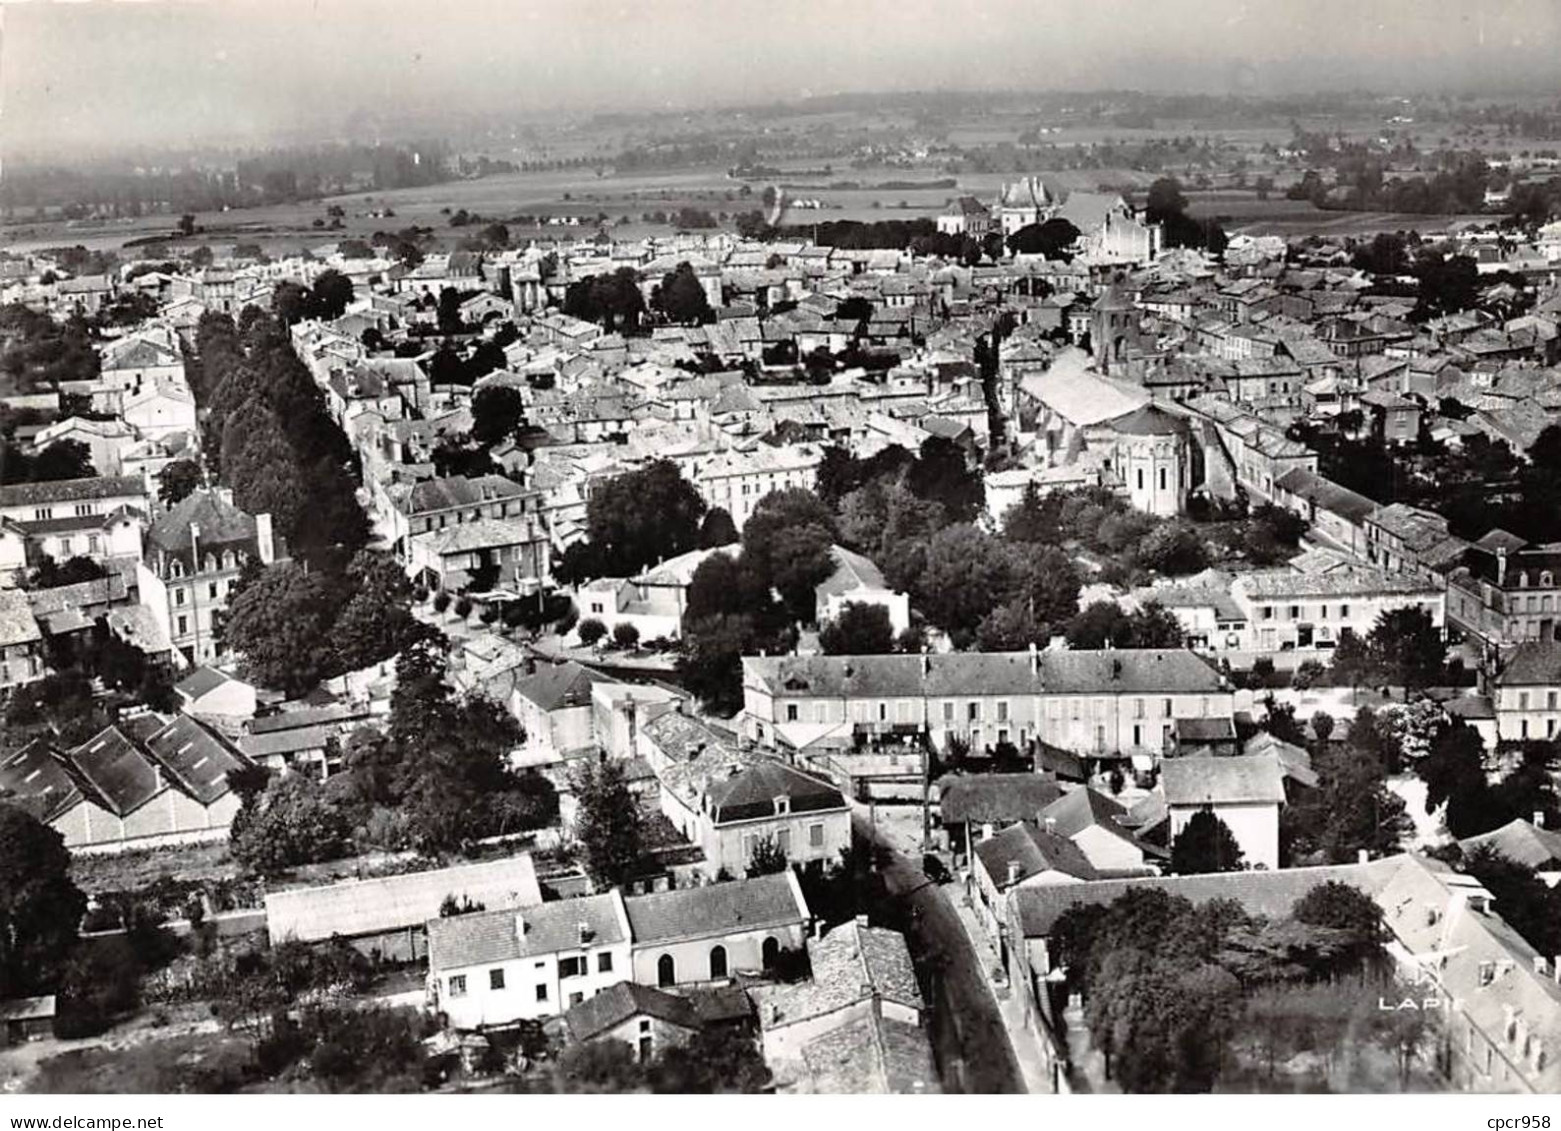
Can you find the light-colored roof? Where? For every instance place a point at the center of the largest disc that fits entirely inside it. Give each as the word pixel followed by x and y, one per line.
pixel 17 623
pixel 1071 390
pixel 717 909
pixel 520 931
pixel 1522 842
pixel 366 907
pixel 1213 780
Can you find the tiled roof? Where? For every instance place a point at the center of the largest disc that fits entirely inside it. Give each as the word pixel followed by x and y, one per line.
pixel 619 1003
pixel 1035 851
pixel 1522 842
pixel 72 490
pixel 994 798
pixel 1214 780
pixel 1270 893
pixel 752 790
pixel 872 1056
pixel 220 522
pixel 557 687
pixel 716 909
pixel 17 623
pixel 1534 663
pixel 544 928
pixel 117 773
pixel 362 907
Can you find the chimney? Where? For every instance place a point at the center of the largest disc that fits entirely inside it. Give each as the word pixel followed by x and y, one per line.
pixel 520 926
pixel 861 920
pixel 1541 965
pixel 264 539
pixel 1051 825
pixel 986 831
pixel 1035 659
pixel 1362 856
pixel 586 934
pixel 1555 967
pixel 926 664
pixel 1013 872
pixel 1539 818
pixel 1501 566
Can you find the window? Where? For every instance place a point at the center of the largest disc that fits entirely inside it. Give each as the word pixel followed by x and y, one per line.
pixel 948 712
pixel 782 805
pixel 883 712
pixel 83 510
pixel 178 596
pixel 542 991
pixel 973 711
pixel 65 548
pixel 458 985
pixel 1550 700
pixel 718 962
pixel 1523 700
pixel 43 514
pixel 791 712
pixel 1140 479
pixel 1162 479
pixel 1344 612
pixel 576 999
pixel 1165 708
pixel 94 544
pixel 1546 580
pixel 604 962
pixel 783 840
pixel 184 626
pixel 1138 708
pixel 1266 612
pixel 571 967
pixel 1295 612
pixel 1002 711
pixel 211 590
pixel 666 971
pixel 496 979
pixel 816 836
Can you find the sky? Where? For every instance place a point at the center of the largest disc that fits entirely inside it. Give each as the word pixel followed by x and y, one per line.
pixel 91 74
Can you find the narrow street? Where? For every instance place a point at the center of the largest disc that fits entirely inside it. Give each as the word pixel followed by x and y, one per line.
pixel 966 1027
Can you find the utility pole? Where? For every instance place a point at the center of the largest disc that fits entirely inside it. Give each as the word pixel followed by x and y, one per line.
pixel 926 789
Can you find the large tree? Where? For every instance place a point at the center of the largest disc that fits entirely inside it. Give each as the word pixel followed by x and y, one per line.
pixel 280 623
pixel 1205 844
pixel 608 826
pixel 1407 647
pixel 858 630
pixel 177 479
pixel 497 412
pixel 40 908
pixel 681 296
pixel 1052 238
pixel 635 520
pixel 289 822
pixel 786 542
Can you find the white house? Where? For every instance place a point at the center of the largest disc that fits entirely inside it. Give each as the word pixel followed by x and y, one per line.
pixel 1245 792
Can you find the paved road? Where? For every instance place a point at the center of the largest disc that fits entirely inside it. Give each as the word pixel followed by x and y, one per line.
pixel 966 1028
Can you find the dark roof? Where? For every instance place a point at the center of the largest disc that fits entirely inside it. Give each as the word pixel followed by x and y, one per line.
pixel 717 909
pixel 556 687
pixel 994 798
pixel 200 681
pixel 1533 663
pixel 1035 851
pixel 71 490
pixel 1204 730
pixel 36 779
pixel 1149 421
pixel 196 758
pixel 220 522
pixel 623 1001
pixel 117 771
pixel 751 792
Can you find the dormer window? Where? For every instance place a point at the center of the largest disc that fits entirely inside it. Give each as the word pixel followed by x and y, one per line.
pixel 1546 580
pixel 782 806
pixel 1523 580
pixel 176 568
pixel 228 559
pixel 209 564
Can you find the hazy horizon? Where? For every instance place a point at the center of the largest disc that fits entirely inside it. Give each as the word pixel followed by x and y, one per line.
pixel 102 74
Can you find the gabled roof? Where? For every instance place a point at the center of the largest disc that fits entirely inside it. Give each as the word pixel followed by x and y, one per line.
pixel 994 798
pixel 1522 842
pixel 36 778
pixel 1035 851
pixel 520 929
pixel 17 623
pixel 197 759
pixel 72 490
pixel 717 909
pixel 1533 663
pixel 624 1001
pixel 116 771
pixel 557 687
